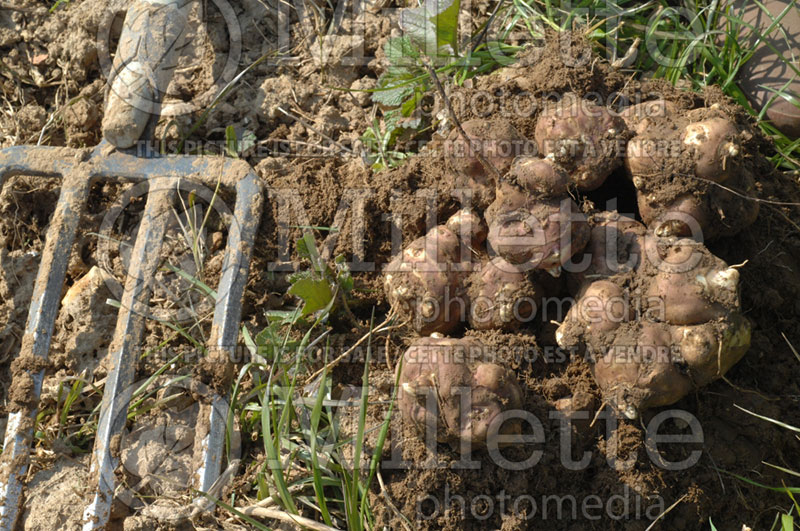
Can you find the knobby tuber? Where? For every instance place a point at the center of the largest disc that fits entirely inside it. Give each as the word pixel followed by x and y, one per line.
pixel 502 296
pixel 533 221
pixel 424 283
pixel 499 144
pixel 660 329
pixel 615 246
pixel 690 170
pixel 446 390
pixel 468 226
pixel 588 140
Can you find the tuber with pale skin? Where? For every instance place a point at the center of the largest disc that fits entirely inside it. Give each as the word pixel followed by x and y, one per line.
pixel 502 296
pixel 468 226
pixel 424 283
pixel 659 331
pixel 533 222
pixel 586 139
pixel 615 246
pixel 690 170
pixel 445 390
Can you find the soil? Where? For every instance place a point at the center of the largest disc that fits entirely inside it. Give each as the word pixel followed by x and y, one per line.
pixel 65 481
pixel 53 79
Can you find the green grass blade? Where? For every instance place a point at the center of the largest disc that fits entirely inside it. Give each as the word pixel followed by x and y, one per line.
pixel 782 469
pixel 316 413
pixel 74 393
pixel 376 458
pixel 773 421
pixel 784 489
pixel 362 423
pixel 272 444
pixel 191 279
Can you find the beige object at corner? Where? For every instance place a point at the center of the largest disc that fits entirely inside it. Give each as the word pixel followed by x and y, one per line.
pixel 766 72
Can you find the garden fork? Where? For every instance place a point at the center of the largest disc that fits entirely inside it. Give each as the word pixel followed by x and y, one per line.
pixel 147 53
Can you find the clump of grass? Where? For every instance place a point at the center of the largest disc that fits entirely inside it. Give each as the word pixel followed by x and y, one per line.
pixel 313 462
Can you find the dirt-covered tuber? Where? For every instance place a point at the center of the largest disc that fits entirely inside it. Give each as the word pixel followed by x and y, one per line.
pixel 424 283
pixel 661 329
pixel 690 170
pixel 585 138
pixel 446 391
pixel 615 246
pixel 468 226
pixel 497 141
pixel 533 221
pixel 502 296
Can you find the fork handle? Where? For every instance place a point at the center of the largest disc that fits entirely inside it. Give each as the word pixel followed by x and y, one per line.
pixel 153 37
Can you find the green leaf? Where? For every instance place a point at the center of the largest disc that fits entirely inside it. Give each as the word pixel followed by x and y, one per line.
pixel 316 413
pixel 198 284
pixel 344 278
pixel 316 294
pixel 282 317
pixel 231 143
pixel 390 95
pixel 248 341
pixel 784 489
pixel 400 51
pixel 302 249
pixel 433 26
pixel 787 522
pixel 307 248
pixel 410 105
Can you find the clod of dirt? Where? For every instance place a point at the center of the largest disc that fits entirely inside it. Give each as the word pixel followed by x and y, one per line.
pixel 23 369
pixel 492 143
pixel 17 275
pixel 159 451
pixel 55 497
pixel 85 321
pixel 158 462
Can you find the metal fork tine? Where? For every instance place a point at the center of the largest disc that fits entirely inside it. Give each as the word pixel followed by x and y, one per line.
pixel 227 315
pixel 36 341
pixel 124 349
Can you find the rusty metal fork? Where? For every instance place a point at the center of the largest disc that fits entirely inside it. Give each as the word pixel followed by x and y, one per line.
pixel 79 169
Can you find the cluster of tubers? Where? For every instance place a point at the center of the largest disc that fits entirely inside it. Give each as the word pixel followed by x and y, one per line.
pixel 668 321
pixel 655 313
